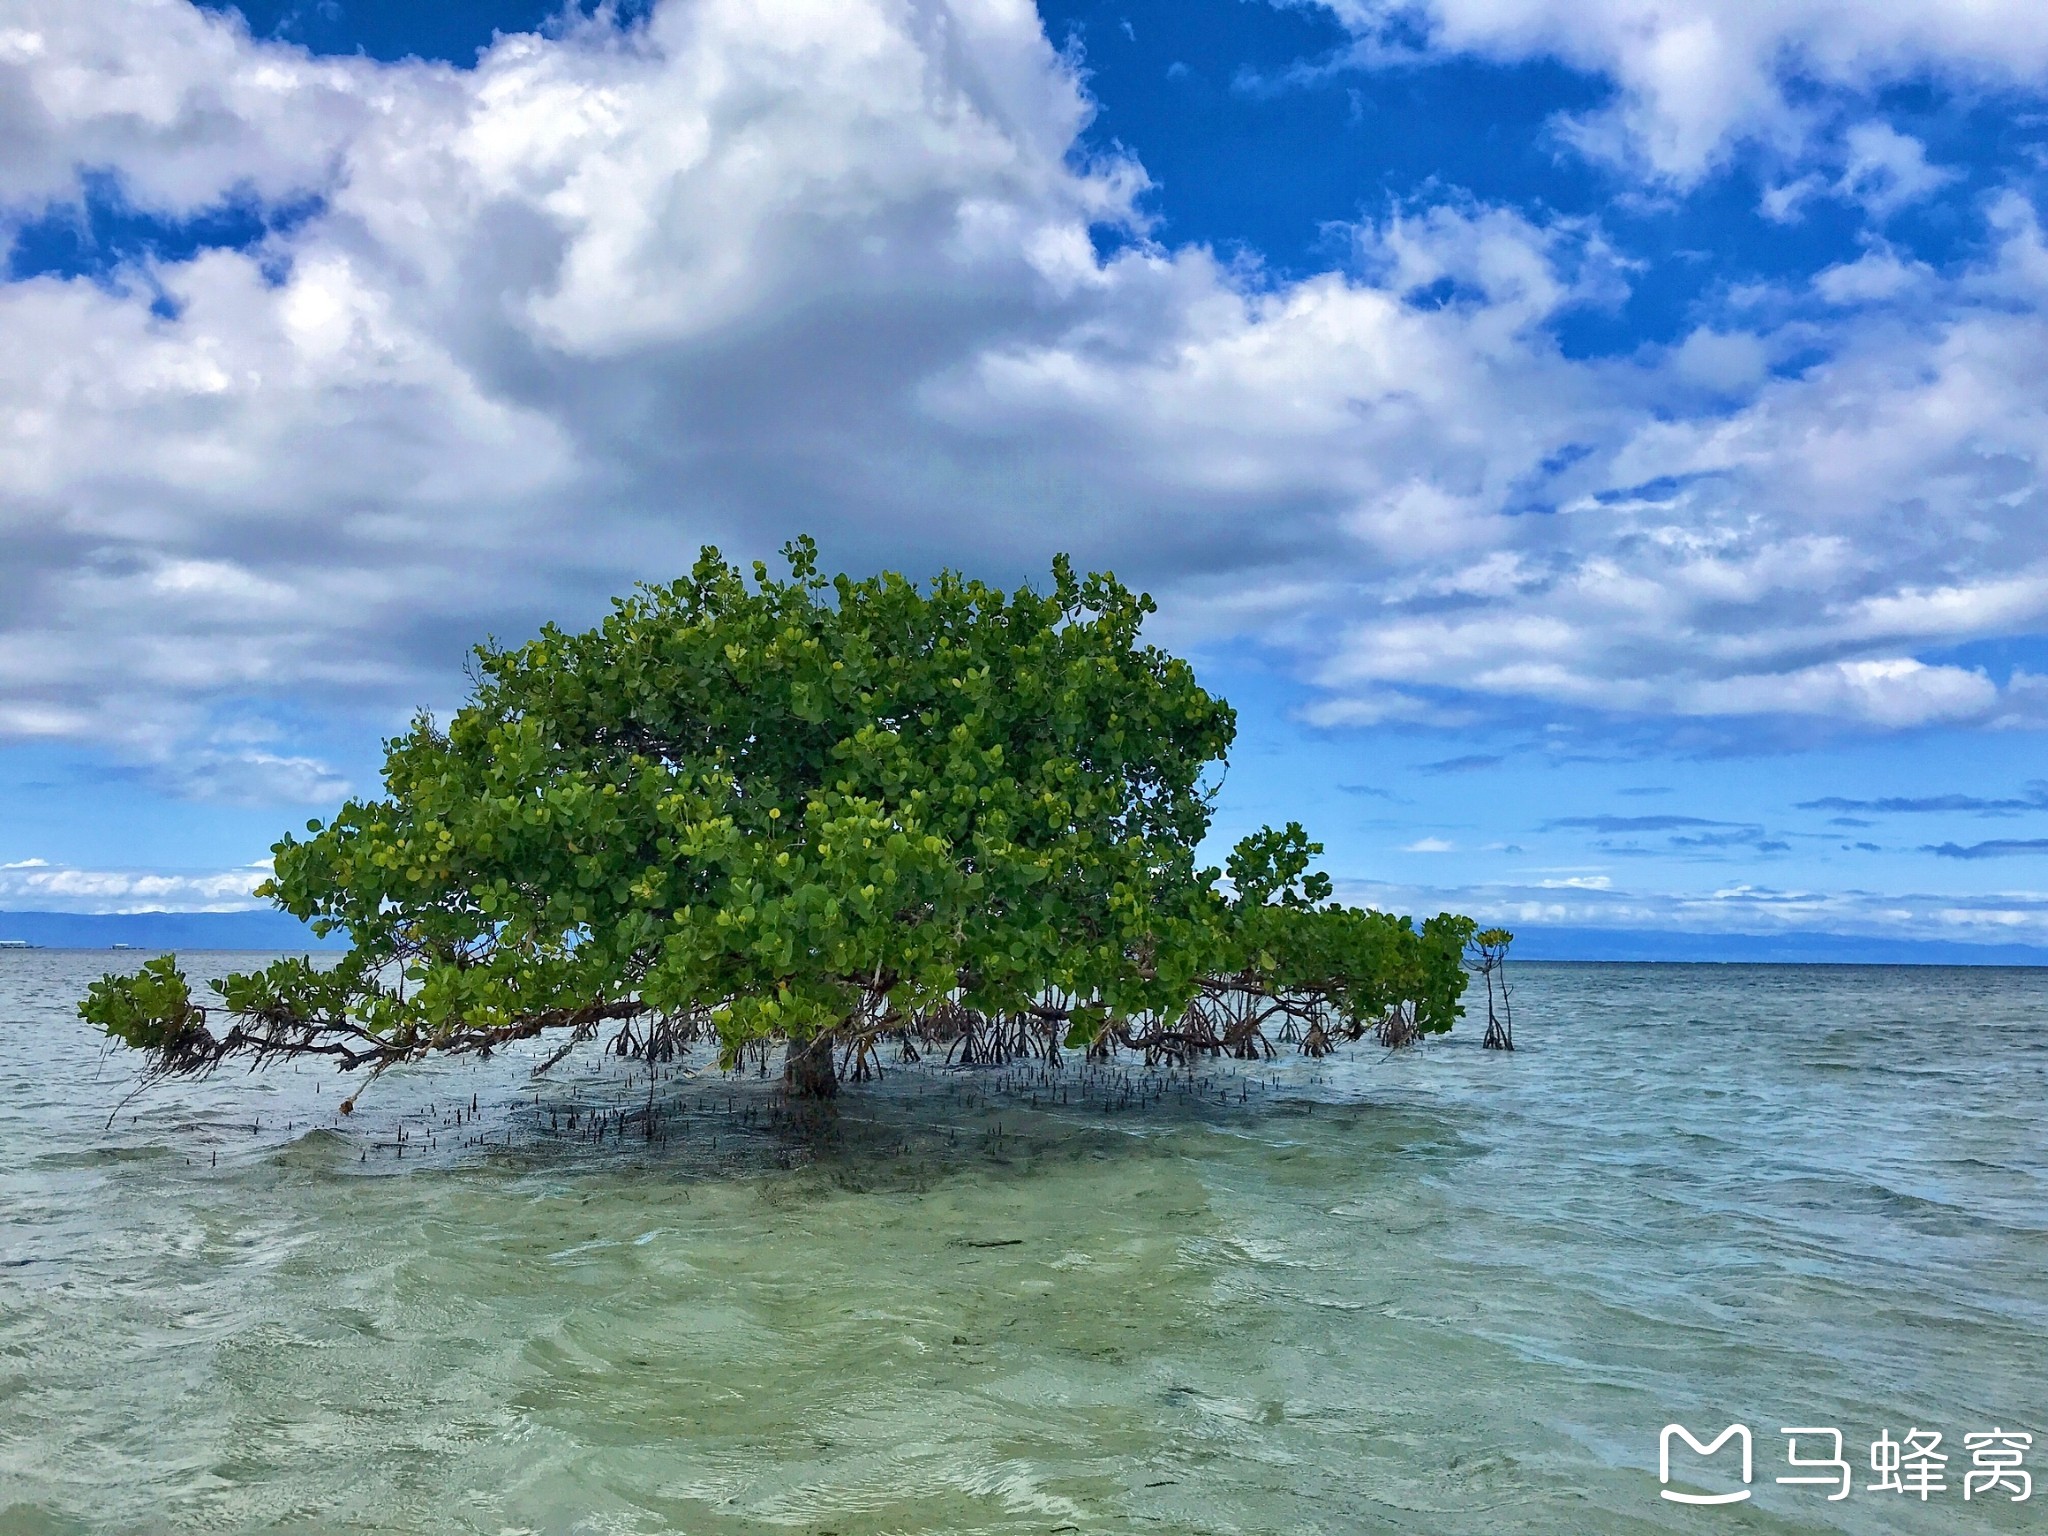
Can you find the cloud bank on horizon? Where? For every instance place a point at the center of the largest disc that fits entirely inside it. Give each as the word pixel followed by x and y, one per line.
pixel 406 352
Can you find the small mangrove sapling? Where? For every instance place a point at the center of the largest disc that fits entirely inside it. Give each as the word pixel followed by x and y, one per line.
pixel 1488 955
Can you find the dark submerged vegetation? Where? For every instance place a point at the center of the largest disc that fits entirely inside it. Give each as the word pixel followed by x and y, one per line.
pixel 842 817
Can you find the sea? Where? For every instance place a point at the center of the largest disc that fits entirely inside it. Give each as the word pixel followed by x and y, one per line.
pixel 1442 1290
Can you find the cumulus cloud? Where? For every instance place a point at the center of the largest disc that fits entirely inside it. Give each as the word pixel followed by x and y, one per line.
pixel 1881 171
pixel 1695 77
pixel 34 885
pixel 1895 691
pixel 737 273
pixel 1694 565
pixel 1886 170
pixel 175 97
pixel 558 320
pixel 1877 275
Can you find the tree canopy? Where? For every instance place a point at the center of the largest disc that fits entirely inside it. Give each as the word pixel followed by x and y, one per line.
pixel 833 814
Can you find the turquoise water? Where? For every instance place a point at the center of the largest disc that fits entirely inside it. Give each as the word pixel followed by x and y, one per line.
pixel 1445 1291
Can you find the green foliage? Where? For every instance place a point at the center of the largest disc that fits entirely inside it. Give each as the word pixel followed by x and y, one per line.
pixel 785 807
pixel 1487 956
pixel 148 1010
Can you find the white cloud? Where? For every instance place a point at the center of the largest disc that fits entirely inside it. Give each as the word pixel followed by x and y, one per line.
pixel 1696 77
pixel 1882 171
pixel 1784 557
pixel 254 777
pixel 740 274
pixel 1887 170
pixel 1992 917
pixel 1782 203
pixel 1430 845
pixel 39 887
pixel 1724 361
pixel 1897 692
pixel 175 97
pixel 562 319
pixel 1874 277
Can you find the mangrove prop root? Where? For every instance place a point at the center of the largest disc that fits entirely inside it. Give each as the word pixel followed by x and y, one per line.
pixel 1229 1016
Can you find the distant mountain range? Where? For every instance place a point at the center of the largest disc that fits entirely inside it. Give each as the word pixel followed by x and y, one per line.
pixel 265 930
pixel 1535 943
pixel 271 930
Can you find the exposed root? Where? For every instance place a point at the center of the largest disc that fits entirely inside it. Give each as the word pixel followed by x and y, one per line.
pixel 1231 1017
pixel 1397 1030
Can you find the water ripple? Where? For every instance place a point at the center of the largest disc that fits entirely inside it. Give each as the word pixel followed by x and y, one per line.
pixel 1441 1292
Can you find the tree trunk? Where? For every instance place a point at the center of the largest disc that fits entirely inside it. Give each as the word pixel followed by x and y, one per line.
pixel 809 1070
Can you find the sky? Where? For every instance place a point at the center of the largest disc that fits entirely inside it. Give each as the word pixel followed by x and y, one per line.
pixel 1598 445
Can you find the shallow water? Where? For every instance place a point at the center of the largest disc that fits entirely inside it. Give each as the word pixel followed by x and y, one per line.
pixel 1445 1291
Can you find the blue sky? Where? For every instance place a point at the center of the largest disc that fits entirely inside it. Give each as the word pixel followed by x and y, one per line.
pixel 1597 444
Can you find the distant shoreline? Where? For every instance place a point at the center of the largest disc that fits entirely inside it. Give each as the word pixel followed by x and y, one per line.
pixel 271 931
pixel 151 931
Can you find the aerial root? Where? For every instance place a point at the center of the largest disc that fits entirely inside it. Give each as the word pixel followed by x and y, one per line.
pixel 1233 1018
pixel 1398 1029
